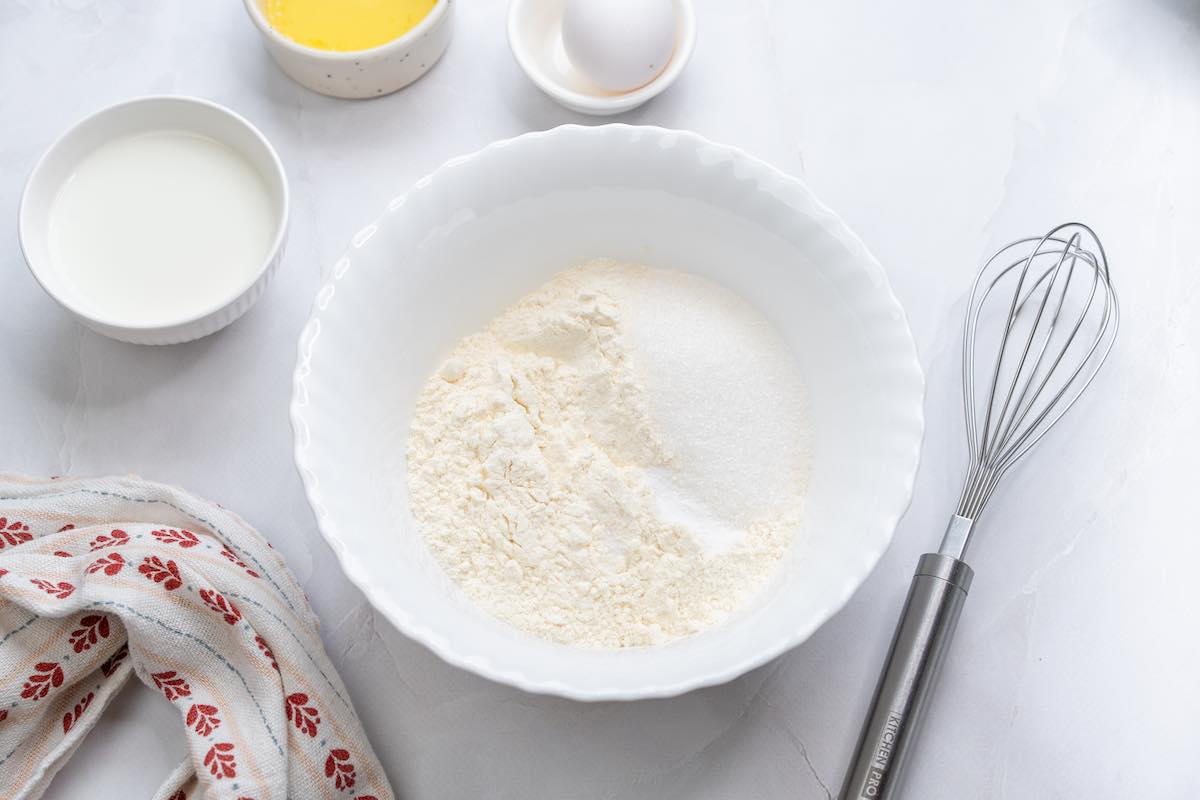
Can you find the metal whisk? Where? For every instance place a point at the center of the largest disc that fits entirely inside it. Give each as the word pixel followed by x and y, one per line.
pixel 1058 319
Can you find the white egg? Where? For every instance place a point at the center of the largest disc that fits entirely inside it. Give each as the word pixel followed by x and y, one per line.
pixel 619 44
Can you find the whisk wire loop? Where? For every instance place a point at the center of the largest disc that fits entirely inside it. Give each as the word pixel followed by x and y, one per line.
pixel 1047 353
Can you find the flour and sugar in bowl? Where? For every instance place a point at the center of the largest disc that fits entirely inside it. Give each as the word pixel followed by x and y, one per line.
pixel 618 459
pixel 592 494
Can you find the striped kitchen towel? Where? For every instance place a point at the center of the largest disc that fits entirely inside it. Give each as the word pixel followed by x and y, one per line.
pixel 106 577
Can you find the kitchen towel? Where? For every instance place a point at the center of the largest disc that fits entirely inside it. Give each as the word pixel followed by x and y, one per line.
pixel 101 578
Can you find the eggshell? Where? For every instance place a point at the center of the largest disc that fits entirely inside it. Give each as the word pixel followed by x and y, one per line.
pixel 619 44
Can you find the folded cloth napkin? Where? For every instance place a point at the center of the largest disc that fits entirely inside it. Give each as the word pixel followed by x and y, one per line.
pixel 106 577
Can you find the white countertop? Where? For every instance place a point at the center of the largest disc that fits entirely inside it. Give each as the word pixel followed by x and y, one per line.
pixel 938 130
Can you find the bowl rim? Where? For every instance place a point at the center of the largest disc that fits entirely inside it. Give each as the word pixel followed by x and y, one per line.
pixel 266 29
pixel 685 44
pixel 407 624
pixel 25 234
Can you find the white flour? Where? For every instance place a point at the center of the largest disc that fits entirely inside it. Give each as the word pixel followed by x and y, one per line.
pixel 616 460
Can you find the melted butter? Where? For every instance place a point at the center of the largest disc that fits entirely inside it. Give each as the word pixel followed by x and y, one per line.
pixel 345 25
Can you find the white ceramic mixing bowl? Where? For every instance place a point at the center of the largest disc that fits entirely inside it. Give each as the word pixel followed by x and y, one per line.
pixel 484 230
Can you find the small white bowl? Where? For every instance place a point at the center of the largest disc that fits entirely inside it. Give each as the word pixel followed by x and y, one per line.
pixel 482 231
pixel 535 38
pixel 359 74
pixel 131 117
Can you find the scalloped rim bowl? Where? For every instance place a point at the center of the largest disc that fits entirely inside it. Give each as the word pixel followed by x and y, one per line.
pixel 485 229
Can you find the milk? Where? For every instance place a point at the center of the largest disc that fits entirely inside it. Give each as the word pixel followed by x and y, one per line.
pixel 160 227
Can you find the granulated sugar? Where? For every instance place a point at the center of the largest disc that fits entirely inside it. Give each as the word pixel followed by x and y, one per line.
pixel 723 389
pixel 616 460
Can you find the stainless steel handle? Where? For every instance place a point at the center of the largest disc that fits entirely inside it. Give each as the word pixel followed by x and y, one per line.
pixel 939 589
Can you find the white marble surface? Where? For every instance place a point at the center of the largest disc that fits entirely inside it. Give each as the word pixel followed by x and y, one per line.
pixel 938 130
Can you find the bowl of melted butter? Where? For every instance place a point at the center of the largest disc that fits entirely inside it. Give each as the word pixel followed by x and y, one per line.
pixel 353 48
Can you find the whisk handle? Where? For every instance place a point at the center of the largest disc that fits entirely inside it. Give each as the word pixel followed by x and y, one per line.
pixel 935 598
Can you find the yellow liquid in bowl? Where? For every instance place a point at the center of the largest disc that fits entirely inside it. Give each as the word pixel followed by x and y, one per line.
pixel 345 25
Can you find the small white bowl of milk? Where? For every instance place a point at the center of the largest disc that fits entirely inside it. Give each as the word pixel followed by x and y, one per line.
pixel 157 220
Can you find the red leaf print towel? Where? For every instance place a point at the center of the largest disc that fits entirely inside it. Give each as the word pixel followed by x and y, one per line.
pixel 220 762
pixel 111 539
pixel 219 604
pixel 172 536
pixel 71 717
pixel 92 629
pixel 46 675
pixel 172 685
pixel 162 572
pixel 202 718
pixel 339 768
pixel 13 532
pixel 60 590
pixel 154 582
pixel 303 715
pixel 110 564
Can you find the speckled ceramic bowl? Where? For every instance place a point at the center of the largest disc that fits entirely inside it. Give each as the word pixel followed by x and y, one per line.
pixel 484 230
pixel 360 73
